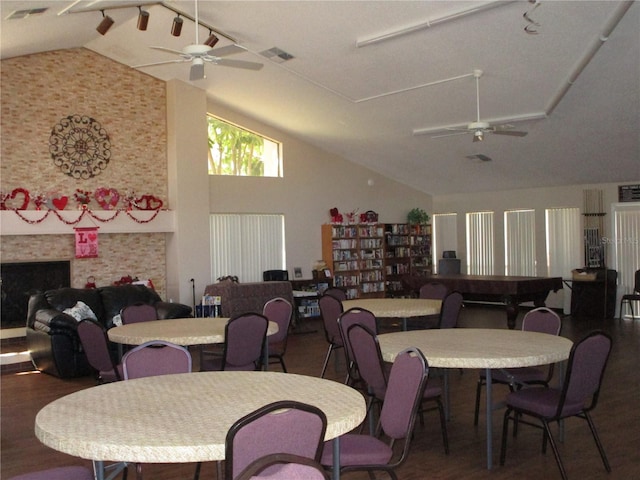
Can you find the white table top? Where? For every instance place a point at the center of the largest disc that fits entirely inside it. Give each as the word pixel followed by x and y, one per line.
pixel 478 347
pixel 181 331
pixel 182 418
pixel 396 307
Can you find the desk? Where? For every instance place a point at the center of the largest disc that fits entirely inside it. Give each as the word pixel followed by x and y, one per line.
pixel 478 348
pixel 181 331
pixel 403 308
pixel 510 290
pixel 121 422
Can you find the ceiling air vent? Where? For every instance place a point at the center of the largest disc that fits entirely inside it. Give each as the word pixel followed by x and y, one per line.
pixel 19 14
pixel 277 55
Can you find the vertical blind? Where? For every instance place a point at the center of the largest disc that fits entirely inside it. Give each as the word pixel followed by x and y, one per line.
pixel 480 260
pixel 520 243
pixel 626 243
pixel 245 245
pixel 445 234
pixel 563 241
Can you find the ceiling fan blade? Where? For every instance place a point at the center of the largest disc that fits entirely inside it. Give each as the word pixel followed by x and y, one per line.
pixel 450 134
pixel 182 60
pixel 226 51
pixel 168 50
pixel 479 156
pixel 513 133
pixel 238 64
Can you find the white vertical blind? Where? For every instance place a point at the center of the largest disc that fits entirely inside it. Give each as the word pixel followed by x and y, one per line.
pixel 520 243
pixel 626 242
pixel 480 256
pixel 563 241
pixel 445 235
pixel 245 245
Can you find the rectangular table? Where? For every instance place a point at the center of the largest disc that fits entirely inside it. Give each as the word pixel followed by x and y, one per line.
pixel 510 290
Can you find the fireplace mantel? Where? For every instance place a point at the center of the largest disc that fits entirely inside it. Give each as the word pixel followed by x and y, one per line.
pixel 12 224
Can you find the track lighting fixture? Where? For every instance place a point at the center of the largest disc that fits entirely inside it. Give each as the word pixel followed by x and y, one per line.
pixel 176 26
pixel 212 39
pixel 105 24
pixel 143 19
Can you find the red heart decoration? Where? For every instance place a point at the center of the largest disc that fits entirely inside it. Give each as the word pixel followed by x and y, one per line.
pixel 107 198
pixel 25 197
pixel 149 202
pixel 60 202
pixel 92 237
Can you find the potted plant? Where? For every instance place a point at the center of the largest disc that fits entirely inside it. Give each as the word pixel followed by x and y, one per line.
pixel 417 216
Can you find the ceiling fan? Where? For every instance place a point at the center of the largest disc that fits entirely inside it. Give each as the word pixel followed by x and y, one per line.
pixel 199 53
pixel 479 128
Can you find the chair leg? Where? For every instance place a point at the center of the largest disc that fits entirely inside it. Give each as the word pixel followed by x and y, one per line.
pixel 477 410
pixel 554 447
pixel 505 432
pixel 443 426
pixel 597 440
pixel 326 360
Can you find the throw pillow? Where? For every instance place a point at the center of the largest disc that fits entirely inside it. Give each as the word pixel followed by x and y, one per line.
pixel 80 311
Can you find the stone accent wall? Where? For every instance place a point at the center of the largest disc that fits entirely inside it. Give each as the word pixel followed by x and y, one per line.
pixel 37 92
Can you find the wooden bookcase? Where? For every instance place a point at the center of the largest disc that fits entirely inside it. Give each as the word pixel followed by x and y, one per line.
pixel 397 257
pixel 421 250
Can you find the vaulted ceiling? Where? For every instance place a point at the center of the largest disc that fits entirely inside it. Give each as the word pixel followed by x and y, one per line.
pixel 375 81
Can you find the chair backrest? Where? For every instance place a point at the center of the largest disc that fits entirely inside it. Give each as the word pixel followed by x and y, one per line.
pixel 244 341
pixel 279 427
pixel 330 310
pixel 450 310
pixel 636 284
pixel 290 467
pixel 95 342
pixel 351 317
pixel 433 290
pixel 58 473
pixel 337 293
pixel 407 381
pixel 138 312
pixel 278 310
pixel 585 370
pixel 368 357
pixel 542 320
pixel 156 357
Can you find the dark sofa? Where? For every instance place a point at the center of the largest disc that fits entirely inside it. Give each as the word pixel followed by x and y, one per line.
pixel 52 337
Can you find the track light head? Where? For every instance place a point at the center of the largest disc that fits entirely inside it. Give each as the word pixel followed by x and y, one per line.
pixel 143 19
pixel 212 40
pixel 176 26
pixel 105 24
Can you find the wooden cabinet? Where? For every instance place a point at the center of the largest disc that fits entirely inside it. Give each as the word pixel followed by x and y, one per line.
pixel 369 260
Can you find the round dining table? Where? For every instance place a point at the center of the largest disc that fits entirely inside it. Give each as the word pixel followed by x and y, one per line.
pixel 402 308
pixel 182 418
pixel 478 348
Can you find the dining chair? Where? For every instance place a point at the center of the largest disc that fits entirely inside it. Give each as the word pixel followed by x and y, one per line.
pixel 345 320
pixel 375 373
pixel 541 320
pixel 278 310
pixel 156 357
pixel 577 396
pixel 60 473
pixel 634 296
pixel 95 343
pixel 336 292
pixel 280 427
pixel 362 452
pixel 291 467
pixel 244 338
pixel 450 310
pixel 138 312
pixel 330 310
pixel 433 290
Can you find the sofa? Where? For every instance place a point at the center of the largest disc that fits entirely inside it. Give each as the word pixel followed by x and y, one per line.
pixel 51 334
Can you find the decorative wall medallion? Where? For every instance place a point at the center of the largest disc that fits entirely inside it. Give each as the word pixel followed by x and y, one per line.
pixel 80 146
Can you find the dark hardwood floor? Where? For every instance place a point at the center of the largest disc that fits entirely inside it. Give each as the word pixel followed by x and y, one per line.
pixel 617 417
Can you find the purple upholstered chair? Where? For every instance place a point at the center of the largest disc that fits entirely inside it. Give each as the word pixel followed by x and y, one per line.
pixel 374 372
pixel 243 344
pixel 575 398
pixel 345 320
pixel 280 427
pixel 433 290
pixel 541 320
pixel 138 312
pixel 397 418
pixel 156 357
pixel 95 343
pixel 450 310
pixel 336 293
pixel 61 473
pixel 278 310
pixel 330 309
pixel 291 467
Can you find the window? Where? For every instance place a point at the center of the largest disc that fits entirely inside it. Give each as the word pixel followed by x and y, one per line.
pixel 239 152
pixel 520 243
pixel 245 245
pixel 563 241
pixel 480 243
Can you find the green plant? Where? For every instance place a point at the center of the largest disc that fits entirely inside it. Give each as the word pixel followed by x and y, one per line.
pixel 417 216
